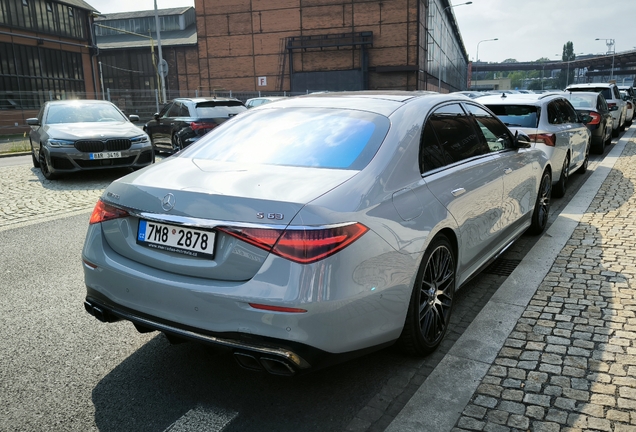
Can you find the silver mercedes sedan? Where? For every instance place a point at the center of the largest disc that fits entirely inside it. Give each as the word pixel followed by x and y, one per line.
pixel 318 228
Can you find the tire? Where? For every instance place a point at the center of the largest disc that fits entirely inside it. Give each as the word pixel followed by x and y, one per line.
pixel 36 162
pixel 616 132
pixel 177 145
pixel 44 167
pixel 542 206
pixel 431 303
pixel 583 168
pixel 559 189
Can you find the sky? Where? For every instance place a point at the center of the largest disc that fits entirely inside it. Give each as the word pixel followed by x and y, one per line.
pixel 527 29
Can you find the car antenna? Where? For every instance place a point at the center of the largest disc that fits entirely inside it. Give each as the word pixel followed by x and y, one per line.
pixel 503 95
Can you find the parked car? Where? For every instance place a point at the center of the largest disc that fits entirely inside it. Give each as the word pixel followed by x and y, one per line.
pixel 594 105
pixel 553 125
pixel 258 101
pixel 244 248
pixel 77 135
pixel 630 108
pixel 184 120
pixel 615 102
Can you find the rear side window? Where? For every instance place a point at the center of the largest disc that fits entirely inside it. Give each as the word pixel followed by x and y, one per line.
pixel 307 137
pixel 568 114
pixel 213 109
pixel 493 132
pixel 457 137
pixel 517 115
pixel 555 116
pixel 431 154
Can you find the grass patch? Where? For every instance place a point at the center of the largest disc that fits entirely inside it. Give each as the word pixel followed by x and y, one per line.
pixel 20 146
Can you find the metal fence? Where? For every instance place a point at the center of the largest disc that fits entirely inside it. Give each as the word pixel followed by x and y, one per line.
pixel 16 107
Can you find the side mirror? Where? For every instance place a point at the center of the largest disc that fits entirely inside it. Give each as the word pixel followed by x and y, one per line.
pixel 33 121
pixel 522 140
pixel 156 116
pixel 613 108
pixel 585 119
pixel 133 118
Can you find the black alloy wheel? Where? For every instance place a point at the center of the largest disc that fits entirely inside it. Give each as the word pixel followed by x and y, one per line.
pixel 431 304
pixel 44 167
pixel 542 206
pixel 559 189
pixel 583 168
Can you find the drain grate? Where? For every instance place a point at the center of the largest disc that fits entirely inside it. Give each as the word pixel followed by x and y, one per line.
pixel 502 267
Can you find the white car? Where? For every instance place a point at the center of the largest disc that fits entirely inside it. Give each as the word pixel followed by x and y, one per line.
pixel 316 228
pixel 615 102
pixel 630 107
pixel 553 125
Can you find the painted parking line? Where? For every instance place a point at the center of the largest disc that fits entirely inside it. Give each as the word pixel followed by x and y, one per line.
pixel 203 419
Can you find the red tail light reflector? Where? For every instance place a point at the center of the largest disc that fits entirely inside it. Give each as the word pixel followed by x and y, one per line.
pixel 596 118
pixel 277 308
pixel 198 125
pixel 303 245
pixel 548 139
pixel 103 212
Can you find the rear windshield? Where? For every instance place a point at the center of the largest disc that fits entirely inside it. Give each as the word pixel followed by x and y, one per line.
pixel 517 115
pixel 605 91
pixel 583 101
pixel 214 109
pixel 305 137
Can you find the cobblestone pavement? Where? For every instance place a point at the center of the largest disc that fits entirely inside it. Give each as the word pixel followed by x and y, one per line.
pixel 26 197
pixel 570 362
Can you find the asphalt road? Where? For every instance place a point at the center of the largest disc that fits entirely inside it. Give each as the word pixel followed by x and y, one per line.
pixel 61 369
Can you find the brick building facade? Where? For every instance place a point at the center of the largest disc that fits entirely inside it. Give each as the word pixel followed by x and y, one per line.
pixel 307 45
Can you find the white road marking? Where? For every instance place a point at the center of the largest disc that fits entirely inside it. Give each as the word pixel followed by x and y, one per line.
pixel 201 419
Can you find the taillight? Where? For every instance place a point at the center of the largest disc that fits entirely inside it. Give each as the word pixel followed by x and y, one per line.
pixel 200 125
pixel 303 246
pixel 596 118
pixel 548 139
pixel 103 212
pixel 629 105
pixel 610 105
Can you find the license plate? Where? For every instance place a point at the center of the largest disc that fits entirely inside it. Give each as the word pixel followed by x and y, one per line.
pixel 105 155
pixel 178 239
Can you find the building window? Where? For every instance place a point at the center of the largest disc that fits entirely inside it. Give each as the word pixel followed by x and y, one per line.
pixel 25 2
pixel 70 11
pixel 49 6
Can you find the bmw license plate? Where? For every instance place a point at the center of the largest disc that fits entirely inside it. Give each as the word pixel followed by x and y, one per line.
pixel 178 239
pixel 105 155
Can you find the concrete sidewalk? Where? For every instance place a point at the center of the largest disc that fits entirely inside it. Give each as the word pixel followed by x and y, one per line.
pixel 555 348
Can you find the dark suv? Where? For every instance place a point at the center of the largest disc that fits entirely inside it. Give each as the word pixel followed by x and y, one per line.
pixel 184 120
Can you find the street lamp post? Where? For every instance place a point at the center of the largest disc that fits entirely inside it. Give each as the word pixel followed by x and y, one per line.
pixel 477 56
pixel 611 43
pixel 439 74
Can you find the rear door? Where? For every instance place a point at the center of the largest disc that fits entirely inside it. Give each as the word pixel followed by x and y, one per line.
pixel 577 132
pixel 466 179
pixel 519 169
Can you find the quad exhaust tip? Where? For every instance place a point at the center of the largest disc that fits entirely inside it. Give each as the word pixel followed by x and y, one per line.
pixel 274 366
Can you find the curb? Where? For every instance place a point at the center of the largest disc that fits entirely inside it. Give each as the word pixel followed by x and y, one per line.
pixel 4 155
pixel 441 399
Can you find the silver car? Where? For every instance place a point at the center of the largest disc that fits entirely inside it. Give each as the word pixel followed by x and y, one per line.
pixel 317 228
pixel 77 135
pixel 553 125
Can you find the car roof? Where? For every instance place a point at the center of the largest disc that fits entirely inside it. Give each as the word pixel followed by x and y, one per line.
pixel 377 101
pixel 72 101
pixel 591 85
pixel 519 98
pixel 205 99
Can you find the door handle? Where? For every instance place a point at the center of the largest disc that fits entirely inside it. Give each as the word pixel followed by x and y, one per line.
pixel 507 170
pixel 458 192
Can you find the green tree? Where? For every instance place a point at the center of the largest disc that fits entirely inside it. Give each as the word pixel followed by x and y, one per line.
pixel 566 75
